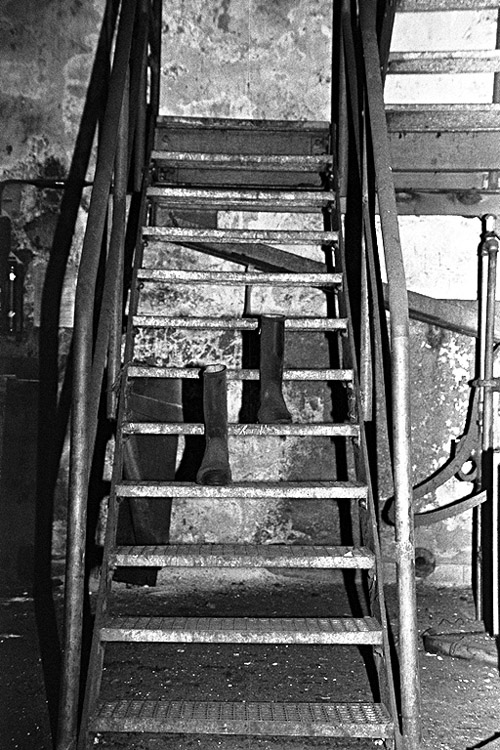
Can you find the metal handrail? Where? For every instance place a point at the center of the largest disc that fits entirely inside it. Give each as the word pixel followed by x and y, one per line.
pixel 364 104
pixel 399 337
pixel 98 316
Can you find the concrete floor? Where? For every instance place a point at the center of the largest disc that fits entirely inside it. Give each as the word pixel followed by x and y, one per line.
pixel 460 698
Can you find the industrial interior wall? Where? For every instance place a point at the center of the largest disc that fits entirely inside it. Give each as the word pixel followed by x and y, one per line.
pixel 236 58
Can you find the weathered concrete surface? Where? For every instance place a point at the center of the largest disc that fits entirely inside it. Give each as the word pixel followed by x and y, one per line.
pixel 247 58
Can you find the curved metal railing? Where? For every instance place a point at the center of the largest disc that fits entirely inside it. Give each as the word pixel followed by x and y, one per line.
pixel 124 143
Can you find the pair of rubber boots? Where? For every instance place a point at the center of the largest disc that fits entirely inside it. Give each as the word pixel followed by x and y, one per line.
pixel 215 469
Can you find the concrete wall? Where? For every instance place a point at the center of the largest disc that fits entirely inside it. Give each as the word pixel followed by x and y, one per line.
pixel 260 59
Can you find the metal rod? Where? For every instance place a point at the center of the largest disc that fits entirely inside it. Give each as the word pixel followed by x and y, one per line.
pixel 399 326
pixel 80 448
pixel 117 239
pixel 140 129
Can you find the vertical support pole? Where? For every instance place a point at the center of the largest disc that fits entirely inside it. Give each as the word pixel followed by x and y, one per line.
pixel 489 252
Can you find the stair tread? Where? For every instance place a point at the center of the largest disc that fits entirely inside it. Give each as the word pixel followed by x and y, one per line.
pixel 242 198
pixel 237 277
pixel 443 117
pixel 139 371
pixel 262 162
pixel 241 123
pixel 240 324
pixel 253 718
pixel 325 429
pixel 245 556
pixel 279 489
pixel 292 630
pixel 417 6
pixel 446 61
pixel 286 237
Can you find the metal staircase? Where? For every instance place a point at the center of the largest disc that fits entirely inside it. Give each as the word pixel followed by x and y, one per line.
pixel 252 717
pixel 195 170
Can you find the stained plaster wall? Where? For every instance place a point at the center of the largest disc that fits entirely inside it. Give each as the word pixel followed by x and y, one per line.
pixel 47 49
pixel 244 58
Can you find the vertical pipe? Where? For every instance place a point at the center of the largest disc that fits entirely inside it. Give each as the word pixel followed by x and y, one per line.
pixel 478 513
pixel 489 252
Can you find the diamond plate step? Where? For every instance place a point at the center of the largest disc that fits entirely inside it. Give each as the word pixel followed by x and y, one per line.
pixel 260 162
pixel 346 631
pixel 230 278
pixel 244 556
pixel 210 717
pixel 326 429
pixel 238 324
pixel 285 237
pixel 249 490
pixel 138 371
pixel 270 200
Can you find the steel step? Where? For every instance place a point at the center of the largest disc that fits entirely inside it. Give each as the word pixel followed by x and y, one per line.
pixel 442 117
pixel 241 123
pixel 238 324
pixel 254 162
pixel 246 490
pixel 251 200
pixel 244 556
pixel 138 371
pixel 345 631
pixel 249 718
pixel 462 61
pixel 326 429
pixel 417 6
pixel 231 278
pixel 284 237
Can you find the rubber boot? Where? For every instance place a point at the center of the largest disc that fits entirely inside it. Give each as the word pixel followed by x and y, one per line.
pixel 214 469
pixel 272 409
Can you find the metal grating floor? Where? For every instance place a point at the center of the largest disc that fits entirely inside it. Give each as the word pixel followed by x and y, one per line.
pixel 208 717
